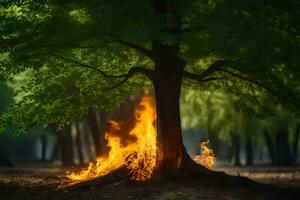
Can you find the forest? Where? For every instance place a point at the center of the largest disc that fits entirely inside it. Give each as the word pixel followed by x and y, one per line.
pixel 152 99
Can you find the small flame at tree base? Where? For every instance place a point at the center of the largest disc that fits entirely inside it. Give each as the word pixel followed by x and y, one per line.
pixel 207 157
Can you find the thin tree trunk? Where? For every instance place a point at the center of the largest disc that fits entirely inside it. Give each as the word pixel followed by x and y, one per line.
pixel 270 147
pixel 78 143
pixel 236 143
pixel 43 148
pixel 295 144
pixel 103 121
pixel 4 159
pixel 55 150
pixel 88 142
pixel 249 151
pixel 95 131
pixel 282 148
pixel 66 147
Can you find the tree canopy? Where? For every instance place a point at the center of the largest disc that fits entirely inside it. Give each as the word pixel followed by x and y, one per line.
pixel 90 53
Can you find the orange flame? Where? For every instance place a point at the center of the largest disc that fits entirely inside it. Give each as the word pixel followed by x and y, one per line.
pixel 139 157
pixel 207 157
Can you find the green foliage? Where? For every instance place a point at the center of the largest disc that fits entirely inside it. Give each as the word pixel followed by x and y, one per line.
pixel 259 39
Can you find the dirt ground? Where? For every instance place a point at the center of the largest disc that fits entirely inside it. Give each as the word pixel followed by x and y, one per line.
pixel 41 182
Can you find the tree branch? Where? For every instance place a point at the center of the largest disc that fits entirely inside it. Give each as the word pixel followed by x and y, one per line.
pixel 131 45
pixel 136 47
pixel 199 77
pixel 89 67
pixel 249 80
pixel 132 71
pixel 212 79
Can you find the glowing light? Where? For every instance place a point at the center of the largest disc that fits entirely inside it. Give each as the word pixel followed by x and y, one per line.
pixel 139 156
pixel 207 157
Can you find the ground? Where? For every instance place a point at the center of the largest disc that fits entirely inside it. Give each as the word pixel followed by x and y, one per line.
pixel 41 182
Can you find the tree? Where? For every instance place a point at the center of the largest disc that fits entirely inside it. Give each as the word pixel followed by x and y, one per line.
pixel 247 46
pixel 281 135
pixel 5 101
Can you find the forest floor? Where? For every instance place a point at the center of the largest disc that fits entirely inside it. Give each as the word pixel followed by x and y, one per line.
pixel 41 182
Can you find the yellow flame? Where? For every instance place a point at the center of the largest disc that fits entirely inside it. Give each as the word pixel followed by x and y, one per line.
pixel 207 157
pixel 139 157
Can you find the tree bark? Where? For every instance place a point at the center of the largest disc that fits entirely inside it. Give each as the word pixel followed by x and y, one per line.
pixel 167 86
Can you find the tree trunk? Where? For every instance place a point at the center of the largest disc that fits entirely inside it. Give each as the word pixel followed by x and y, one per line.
pixel 93 123
pixel 66 147
pixel 167 86
pixel 103 121
pixel 282 148
pixel 236 143
pixel 43 148
pixel 249 151
pixel 170 144
pixel 270 146
pixel 78 143
pixel 88 142
pixel 55 150
pixel 4 159
pixel 295 144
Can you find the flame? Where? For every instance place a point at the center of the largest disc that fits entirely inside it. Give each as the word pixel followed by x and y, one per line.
pixel 207 157
pixel 139 156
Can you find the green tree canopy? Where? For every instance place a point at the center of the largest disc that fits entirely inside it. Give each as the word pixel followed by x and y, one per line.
pixel 80 50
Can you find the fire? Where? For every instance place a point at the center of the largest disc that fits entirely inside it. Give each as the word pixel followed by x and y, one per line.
pixel 139 156
pixel 207 157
